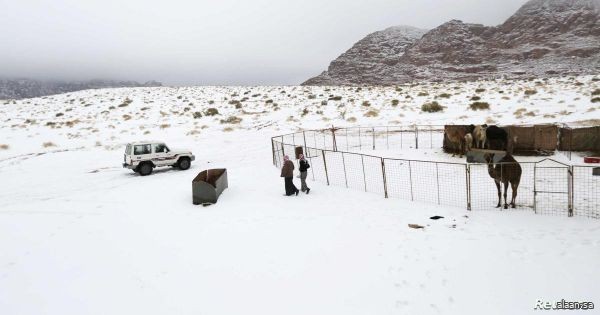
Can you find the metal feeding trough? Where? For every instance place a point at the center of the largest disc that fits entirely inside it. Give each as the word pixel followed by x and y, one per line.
pixel 478 155
pixel 208 185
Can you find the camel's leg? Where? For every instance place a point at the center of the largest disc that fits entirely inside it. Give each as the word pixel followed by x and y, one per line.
pixel 514 186
pixel 505 193
pixel 497 182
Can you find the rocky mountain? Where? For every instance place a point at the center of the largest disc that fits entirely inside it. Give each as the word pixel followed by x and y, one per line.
pixel 27 88
pixel 543 38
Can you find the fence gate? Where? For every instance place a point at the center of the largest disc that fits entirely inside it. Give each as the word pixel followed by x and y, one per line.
pixel 552 188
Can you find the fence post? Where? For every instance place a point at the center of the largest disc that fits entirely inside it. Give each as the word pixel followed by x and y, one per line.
pixel 273 151
pixel 362 159
pixel 334 141
pixel 468 179
pixel 571 190
pixel 416 137
pixel 384 178
pixel 373 130
pixel 344 163
pixel 534 187
pixel 437 178
pixel 411 183
pixel 304 137
pixel 325 164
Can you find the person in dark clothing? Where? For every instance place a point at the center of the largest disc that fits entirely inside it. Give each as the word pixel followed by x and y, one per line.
pixel 304 166
pixel 287 172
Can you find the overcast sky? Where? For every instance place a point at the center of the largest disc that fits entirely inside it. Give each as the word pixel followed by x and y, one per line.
pixel 207 42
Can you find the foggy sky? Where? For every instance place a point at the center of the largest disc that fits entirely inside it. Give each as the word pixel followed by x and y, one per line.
pixel 207 42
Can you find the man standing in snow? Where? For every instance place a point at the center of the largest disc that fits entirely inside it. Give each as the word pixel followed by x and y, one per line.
pixel 304 166
pixel 287 172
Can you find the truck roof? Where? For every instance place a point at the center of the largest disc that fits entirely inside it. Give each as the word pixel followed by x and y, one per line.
pixel 146 142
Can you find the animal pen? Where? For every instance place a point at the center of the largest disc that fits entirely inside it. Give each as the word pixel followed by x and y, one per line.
pixel 546 186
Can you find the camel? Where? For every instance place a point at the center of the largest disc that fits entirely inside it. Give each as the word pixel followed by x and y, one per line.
pixel 506 171
pixel 456 135
pixel 468 142
pixel 497 138
pixel 479 132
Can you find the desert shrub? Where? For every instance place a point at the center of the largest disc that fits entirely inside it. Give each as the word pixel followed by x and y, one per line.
pixel 351 119
pixel 179 97
pixel 372 113
pixel 335 98
pixel 366 103
pixel 197 115
pixel 227 129
pixel 126 117
pixel 269 101
pixel 444 95
pixel 165 126
pixel 596 100
pixel 530 92
pixel 423 94
pixel 231 120
pixel 59 114
pixel 479 90
pixel 398 89
pixel 211 112
pixel 126 102
pixel 479 106
pixel 323 103
pixel 304 112
pixel 395 102
pixel 312 97
pixel 596 92
pixel 144 108
pixel 4 147
pixel 432 107
pixel 475 98
pixel 48 145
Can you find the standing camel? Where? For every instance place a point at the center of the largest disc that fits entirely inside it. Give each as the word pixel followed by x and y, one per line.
pixel 456 135
pixel 507 170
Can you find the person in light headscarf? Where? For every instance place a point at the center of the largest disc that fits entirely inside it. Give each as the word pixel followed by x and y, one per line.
pixel 303 168
pixel 287 172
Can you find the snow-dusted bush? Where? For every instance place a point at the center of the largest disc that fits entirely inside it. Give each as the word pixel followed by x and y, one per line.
pixel 432 107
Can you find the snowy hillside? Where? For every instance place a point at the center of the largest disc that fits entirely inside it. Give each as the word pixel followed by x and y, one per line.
pixel 81 235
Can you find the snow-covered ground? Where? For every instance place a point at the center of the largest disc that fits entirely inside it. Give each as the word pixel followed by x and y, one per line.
pixel 81 235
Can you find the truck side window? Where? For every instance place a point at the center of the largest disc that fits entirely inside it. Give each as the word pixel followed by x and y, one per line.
pixel 141 149
pixel 160 148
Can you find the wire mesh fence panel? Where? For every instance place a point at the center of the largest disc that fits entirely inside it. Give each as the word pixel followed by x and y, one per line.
pixel 429 137
pixel 586 192
pixel 484 193
pixel 373 174
pixel 398 178
pixel 278 153
pixel 380 138
pixel 366 138
pixel 424 181
pixel 548 187
pixel 335 168
pixel 354 171
pixel 452 185
pixel 551 188
pixel 317 167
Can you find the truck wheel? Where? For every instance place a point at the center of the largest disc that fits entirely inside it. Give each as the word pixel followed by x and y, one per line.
pixel 184 164
pixel 145 169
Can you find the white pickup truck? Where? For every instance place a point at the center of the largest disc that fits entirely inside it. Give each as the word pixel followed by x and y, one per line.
pixel 143 157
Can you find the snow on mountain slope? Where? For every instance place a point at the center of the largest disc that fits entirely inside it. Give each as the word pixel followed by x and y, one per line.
pixel 81 235
pixel 543 38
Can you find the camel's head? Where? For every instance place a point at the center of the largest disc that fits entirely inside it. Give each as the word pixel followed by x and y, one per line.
pixel 489 158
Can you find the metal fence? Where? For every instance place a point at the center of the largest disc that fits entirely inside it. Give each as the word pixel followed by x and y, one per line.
pixel 545 187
